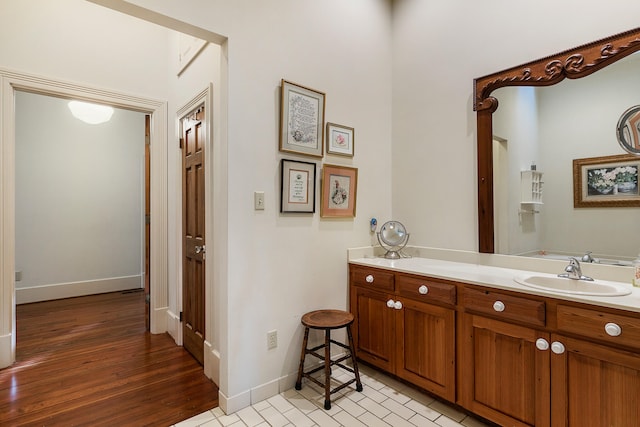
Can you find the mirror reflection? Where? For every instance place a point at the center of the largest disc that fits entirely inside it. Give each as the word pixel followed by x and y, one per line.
pixel 628 130
pixel 545 129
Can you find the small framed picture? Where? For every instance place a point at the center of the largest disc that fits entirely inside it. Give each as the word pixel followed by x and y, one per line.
pixel 297 186
pixel 301 119
pixel 340 140
pixel 339 185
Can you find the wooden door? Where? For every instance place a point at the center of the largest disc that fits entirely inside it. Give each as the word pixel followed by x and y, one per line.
pixel 503 376
pixel 426 347
pixel 147 221
pixel 194 249
pixel 374 327
pixel 594 385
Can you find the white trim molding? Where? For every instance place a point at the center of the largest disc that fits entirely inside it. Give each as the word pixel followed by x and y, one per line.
pixel 76 289
pixel 10 81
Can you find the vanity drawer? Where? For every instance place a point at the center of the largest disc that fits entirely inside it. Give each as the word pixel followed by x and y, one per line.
pixel 426 289
pixel 613 328
pixel 504 306
pixel 372 278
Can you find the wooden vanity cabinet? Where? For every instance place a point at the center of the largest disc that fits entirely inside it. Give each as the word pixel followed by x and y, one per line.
pixel 513 358
pixel 595 371
pixel 409 330
pixel 503 376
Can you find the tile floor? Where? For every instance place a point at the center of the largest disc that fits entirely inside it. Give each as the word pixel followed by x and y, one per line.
pixel 383 402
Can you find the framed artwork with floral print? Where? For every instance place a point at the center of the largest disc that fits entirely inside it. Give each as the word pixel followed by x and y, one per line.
pixel 340 140
pixel 339 185
pixel 609 181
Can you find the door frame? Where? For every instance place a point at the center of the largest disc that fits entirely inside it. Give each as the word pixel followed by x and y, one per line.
pixel 11 81
pixel 211 352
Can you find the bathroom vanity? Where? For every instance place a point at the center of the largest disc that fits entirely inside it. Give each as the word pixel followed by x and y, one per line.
pixel 513 354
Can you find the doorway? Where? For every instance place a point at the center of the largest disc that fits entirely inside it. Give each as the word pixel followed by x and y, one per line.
pixel 13 82
pixel 79 198
pixel 501 192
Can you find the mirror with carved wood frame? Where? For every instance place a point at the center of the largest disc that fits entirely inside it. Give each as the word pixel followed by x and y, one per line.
pixel 572 64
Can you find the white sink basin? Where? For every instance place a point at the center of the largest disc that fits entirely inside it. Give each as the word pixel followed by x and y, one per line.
pixel 562 285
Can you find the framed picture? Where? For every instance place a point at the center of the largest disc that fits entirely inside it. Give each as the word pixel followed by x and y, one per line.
pixel 297 186
pixel 340 140
pixel 339 184
pixel 301 119
pixel 609 181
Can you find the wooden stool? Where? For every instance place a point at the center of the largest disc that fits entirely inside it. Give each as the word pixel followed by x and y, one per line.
pixel 328 320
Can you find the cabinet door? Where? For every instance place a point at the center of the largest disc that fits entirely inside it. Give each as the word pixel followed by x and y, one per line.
pixel 594 385
pixel 503 376
pixel 374 327
pixel 426 349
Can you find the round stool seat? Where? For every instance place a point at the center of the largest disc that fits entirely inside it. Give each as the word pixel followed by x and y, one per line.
pixel 327 319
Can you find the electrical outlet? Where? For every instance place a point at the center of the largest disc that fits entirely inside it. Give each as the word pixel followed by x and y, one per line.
pixel 272 339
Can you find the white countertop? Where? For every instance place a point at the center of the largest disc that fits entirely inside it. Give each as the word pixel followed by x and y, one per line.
pixel 491 276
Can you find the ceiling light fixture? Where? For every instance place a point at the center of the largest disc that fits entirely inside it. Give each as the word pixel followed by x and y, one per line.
pixel 90 113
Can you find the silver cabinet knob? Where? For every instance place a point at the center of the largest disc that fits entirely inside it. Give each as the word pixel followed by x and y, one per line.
pixel 557 347
pixel 397 305
pixel 612 329
pixel 391 303
pixel 423 290
pixel 498 306
pixel 200 249
pixel 369 278
pixel 542 344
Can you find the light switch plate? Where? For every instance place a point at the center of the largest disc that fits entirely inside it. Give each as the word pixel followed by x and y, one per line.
pixel 258 200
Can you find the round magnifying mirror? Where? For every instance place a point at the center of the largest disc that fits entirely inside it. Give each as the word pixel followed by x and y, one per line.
pixel 628 130
pixel 392 233
pixel 393 237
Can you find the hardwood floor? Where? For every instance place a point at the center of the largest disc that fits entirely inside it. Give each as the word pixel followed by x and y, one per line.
pixel 89 361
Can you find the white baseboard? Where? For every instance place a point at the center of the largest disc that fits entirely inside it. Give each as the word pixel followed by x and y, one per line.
pixel 174 326
pixel 266 390
pixel 229 405
pixel 76 289
pixel 211 363
pixel 6 354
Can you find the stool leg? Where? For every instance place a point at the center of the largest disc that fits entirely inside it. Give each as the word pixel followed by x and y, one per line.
pixel 302 356
pixel 352 348
pixel 327 369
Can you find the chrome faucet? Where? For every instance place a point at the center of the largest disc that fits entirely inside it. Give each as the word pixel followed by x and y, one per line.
pixel 574 271
pixel 588 258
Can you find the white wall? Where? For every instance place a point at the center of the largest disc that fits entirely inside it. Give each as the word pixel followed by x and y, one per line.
pixel 77 41
pixel 79 198
pixel 281 266
pixel 205 70
pixel 439 48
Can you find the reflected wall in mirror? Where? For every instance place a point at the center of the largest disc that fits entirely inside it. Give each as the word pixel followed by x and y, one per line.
pixel 551 124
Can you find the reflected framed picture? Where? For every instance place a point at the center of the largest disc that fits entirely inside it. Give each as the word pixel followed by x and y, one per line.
pixel 608 181
pixel 340 140
pixel 301 119
pixel 339 186
pixel 297 186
